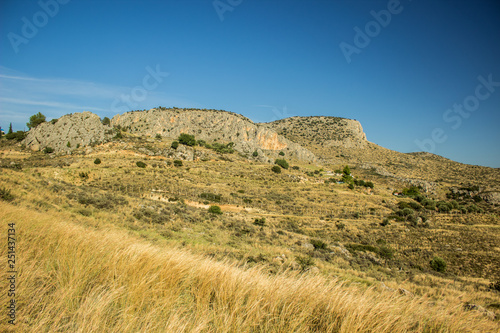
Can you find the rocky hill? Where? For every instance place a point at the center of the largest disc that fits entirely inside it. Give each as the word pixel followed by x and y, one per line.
pixel 68 132
pixel 338 141
pixel 83 129
pixel 212 126
pixel 327 132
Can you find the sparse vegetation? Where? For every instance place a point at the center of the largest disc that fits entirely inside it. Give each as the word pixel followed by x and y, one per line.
pixel 260 221
pixel 18 136
pixel 187 139
pixel 276 169
pixel 438 264
pixel 282 163
pixel 5 194
pixel 291 252
pixel 97 161
pixel 305 262
pixel 140 164
pixel 215 210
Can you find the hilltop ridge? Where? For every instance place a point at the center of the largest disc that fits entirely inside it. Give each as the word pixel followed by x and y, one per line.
pixel 84 129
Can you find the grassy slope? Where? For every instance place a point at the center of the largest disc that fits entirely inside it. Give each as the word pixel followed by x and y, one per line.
pixel 93 279
pixel 138 235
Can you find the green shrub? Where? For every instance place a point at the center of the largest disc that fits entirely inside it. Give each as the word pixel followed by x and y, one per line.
pixel 97 161
pixel 412 191
pixel 428 204
pixel 319 244
pixel 174 145
pixel 255 154
pixel 304 262
pixel 35 120
pixel 353 247
pixel 18 136
pixel 48 150
pixel 68 144
pixel 386 252
pixel 211 197
pixel 347 170
pixel 222 148
pixel 215 210
pixel 405 212
pixel 295 167
pixel 281 153
pixel 276 169
pixel 158 136
pixel 444 207
pixel 369 184
pixel 177 163
pixel 351 186
pixel 260 222
pixel 477 198
pixel 495 285
pixel 438 264
pixel 140 164
pixel 106 121
pixel 282 163
pixel 187 139
pixel 385 222
pixel 474 209
pixel 5 194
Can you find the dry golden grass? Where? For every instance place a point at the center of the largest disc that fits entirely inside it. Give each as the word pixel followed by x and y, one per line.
pixel 101 279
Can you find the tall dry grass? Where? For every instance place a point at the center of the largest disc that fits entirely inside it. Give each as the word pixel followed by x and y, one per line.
pixel 79 279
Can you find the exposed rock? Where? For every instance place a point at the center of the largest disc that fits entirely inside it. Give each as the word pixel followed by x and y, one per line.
pixel 371 257
pixel 405 292
pixel 308 246
pixel 426 186
pixel 213 126
pixel 67 132
pixel 479 308
pixel 340 250
pixel 326 131
pixel 313 270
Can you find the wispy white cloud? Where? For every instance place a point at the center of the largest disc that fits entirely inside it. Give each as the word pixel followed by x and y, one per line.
pixel 22 95
pixel 49 104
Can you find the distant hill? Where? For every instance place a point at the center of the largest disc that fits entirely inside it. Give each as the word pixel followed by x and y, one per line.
pixel 326 140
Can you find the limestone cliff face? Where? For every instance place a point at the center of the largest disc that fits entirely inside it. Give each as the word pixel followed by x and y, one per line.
pixel 211 125
pixel 68 132
pixel 325 131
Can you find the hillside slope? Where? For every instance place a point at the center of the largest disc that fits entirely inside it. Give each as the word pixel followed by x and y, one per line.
pixel 338 141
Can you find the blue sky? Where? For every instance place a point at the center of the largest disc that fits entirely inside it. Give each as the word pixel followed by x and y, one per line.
pixel 398 67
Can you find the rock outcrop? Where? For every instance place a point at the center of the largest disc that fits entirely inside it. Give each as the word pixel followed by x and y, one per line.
pixel 212 126
pixel 325 131
pixel 68 132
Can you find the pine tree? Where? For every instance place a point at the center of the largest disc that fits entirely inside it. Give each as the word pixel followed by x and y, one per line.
pixel 347 171
pixel 10 129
